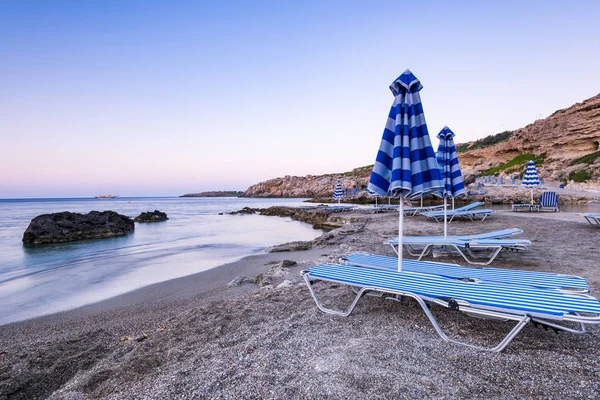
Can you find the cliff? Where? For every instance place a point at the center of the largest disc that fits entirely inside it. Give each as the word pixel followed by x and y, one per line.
pixel 310 185
pixel 222 193
pixel 565 146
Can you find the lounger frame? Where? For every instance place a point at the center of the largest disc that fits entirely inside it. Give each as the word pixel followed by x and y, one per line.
pixel 466 249
pixel 456 305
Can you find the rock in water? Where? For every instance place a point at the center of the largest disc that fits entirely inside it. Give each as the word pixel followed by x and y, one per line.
pixel 151 216
pixel 68 227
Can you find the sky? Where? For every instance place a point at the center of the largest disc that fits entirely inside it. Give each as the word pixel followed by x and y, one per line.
pixel 146 98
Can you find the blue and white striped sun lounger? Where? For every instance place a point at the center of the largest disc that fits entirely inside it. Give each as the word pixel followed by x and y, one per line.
pixel 485 235
pixel 546 307
pixel 539 280
pixel 593 219
pixel 451 214
pixel 420 246
pixel 469 207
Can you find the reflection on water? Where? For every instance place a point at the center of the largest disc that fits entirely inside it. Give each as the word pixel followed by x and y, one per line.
pixel 42 279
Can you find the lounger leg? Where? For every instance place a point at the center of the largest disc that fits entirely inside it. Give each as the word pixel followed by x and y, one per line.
pixel 557 327
pixel 499 347
pixel 521 322
pixel 491 258
pixel 326 310
pixel 416 253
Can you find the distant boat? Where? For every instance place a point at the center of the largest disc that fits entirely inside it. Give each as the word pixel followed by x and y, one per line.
pixel 107 196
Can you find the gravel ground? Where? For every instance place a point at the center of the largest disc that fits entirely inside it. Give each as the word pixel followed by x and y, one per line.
pixel 194 337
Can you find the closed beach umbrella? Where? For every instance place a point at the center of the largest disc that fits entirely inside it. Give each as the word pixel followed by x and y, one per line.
pixel 451 176
pixel 531 180
pixel 405 166
pixel 338 193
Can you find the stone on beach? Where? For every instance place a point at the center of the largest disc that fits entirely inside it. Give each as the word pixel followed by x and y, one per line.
pixel 238 281
pixel 151 216
pixel 68 227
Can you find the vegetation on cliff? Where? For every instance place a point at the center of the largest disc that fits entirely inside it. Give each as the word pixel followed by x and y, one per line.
pixel 485 142
pixel 587 159
pixel 517 164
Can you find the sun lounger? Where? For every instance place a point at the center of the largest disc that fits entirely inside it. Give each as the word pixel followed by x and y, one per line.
pixel 412 211
pixel 341 208
pixel 539 280
pixel 522 304
pixel 420 246
pixel 549 202
pixel 525 207
pixel 473 215
pixel 593 219
pixel 485 235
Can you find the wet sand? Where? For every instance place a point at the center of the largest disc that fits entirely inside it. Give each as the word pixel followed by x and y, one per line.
pixel 195 337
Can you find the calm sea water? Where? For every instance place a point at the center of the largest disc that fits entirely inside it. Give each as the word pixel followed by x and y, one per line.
pixel 36 280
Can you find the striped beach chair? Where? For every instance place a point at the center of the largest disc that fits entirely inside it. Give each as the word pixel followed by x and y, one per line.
pixel 522 304
pixel 539 280
pixel 549 201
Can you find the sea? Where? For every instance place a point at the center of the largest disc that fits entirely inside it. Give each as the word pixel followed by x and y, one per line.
pixel 199 235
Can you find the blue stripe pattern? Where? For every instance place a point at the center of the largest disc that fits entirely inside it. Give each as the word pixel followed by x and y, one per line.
pixel 449 166
pixel 338 193
pixel 541 280
pixel 405 165
pixel 513 299
pixel 531 177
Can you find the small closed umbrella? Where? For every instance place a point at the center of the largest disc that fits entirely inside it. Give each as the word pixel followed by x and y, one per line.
pixel 338 193
pixel 405 166
pixel 531 180
pixel 450 169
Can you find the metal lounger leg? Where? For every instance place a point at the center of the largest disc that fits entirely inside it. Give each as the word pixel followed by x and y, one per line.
pixel 491 258
pixel 416 253
pixel 499 347
pixel 557 327
pixel 326 310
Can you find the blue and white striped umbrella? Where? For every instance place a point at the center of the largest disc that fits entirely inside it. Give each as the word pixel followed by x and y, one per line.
pixel 338 193
pixel 531 180
pixel 450 169
pixel 405 165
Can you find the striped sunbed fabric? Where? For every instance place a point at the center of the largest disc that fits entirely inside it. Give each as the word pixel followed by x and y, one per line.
pixel 540 280
pixel 514 299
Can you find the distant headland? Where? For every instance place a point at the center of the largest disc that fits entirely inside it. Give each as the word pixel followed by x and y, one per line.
pixel 221 193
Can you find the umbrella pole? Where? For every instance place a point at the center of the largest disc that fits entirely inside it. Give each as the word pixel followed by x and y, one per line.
pixel 531 196
pixel 445 219
pixel 453 203
pixel 421 201
pixel 400 233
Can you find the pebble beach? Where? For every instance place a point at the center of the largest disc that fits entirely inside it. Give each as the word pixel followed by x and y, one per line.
pixel 198 337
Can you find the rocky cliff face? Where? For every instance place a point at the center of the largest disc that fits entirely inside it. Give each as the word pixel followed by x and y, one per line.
pixel 564 136
pixel 310 185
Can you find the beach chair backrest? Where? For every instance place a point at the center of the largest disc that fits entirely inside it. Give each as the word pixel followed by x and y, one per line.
pixel 549 199
pixel 469 207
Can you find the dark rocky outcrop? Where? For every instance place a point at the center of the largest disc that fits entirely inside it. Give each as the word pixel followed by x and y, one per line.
pixel 318 217
pixel 68 227
pixel 151 216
